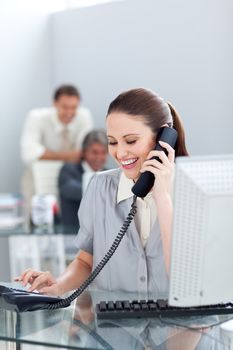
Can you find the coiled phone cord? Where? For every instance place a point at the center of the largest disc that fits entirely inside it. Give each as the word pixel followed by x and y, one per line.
pixel 66 302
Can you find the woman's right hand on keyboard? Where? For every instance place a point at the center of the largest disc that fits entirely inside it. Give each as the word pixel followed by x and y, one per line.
pixel 41 281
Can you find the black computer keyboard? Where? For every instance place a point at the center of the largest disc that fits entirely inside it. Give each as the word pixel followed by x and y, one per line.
pixel 155 308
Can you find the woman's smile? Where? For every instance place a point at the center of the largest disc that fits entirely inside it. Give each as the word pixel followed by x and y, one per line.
pixel 130 141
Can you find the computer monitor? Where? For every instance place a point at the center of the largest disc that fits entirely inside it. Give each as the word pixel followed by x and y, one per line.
pixel 201 270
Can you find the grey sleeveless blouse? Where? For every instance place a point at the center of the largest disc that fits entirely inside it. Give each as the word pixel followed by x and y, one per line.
pixel 132 268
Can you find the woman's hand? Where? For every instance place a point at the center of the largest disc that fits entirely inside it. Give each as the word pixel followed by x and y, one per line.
pixel 41 281
pixel 162 192
pixel 74 275
pixel 163 172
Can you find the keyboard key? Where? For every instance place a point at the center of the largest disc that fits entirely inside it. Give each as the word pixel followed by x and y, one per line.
pixel 162 304
pixel 111 306
pixel 145 307
pixel 152 306
pixel 136 307
pixel 126 305
pixel 103 306
pixel 119 305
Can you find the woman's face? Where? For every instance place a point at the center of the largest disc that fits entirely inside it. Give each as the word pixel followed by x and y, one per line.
pixel 130 141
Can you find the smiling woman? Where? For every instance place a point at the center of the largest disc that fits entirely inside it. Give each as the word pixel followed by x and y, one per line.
pixel 141 262
pixel 130 141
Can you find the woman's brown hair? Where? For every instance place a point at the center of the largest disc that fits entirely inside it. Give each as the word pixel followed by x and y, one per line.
pixel 153 111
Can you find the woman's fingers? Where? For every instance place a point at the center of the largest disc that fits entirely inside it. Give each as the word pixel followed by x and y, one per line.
pixel 23 274
pixel 44 279
pixel 19 278
pixel 30 276
pixel 151 169
pixel 153 162
pixel 170 151
pixel 43 282
pixel 161 154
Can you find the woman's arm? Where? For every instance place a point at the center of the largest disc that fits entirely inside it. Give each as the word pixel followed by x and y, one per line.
pixel 74 275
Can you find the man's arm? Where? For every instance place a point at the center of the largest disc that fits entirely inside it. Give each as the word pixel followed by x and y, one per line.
pixel 72 156
pixel 32 148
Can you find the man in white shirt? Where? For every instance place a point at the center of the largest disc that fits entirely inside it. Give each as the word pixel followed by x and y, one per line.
pixel 54 133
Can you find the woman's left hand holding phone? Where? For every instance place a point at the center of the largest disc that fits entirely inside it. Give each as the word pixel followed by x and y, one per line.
pixel 163 172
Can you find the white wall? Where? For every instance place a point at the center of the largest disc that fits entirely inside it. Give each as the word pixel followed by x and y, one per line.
pixel 181 49
pixel 25 78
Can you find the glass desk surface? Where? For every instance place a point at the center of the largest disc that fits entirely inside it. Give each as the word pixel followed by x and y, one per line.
pixel 40 230
pixel 76 327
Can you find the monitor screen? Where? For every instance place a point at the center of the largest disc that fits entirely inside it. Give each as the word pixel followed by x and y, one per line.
pixel 201 270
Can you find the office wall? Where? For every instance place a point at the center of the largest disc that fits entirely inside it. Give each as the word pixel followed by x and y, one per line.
pixel 182 49
pixel 25 78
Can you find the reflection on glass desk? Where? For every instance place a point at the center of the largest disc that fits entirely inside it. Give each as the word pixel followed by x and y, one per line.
pixel 77 328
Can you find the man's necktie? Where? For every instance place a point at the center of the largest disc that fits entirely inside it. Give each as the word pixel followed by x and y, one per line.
pixel 65 140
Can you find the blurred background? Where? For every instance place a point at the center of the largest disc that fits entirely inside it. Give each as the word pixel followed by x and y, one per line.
pixel 181 49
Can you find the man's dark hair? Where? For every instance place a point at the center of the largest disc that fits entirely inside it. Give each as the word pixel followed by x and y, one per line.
pixel 69 90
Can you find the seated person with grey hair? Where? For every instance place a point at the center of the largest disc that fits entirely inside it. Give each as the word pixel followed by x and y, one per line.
pixel 74 177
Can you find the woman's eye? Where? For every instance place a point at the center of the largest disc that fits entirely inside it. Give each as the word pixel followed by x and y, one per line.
pixel 112 143
pixel 131 142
